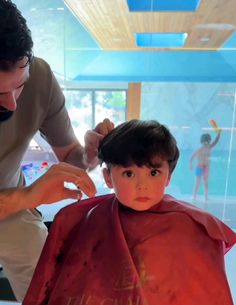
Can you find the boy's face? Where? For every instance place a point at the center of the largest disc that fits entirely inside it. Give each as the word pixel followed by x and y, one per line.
pixel 138 187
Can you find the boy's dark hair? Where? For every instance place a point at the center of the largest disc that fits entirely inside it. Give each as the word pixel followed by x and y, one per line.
pixel 15 37
pixel 138 142
pixel 205 138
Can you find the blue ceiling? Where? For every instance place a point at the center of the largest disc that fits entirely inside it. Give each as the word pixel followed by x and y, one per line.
pixel 74 54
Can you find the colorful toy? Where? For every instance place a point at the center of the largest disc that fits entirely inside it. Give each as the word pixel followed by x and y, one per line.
pixel 44 166
pixel 34 170
pixel 214 125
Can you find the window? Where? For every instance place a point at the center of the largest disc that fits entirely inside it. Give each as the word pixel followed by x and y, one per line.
pixel 89 107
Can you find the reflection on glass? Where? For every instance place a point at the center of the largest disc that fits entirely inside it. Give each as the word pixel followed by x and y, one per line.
pixel 110 104
pixel 186 109
pixel 79 106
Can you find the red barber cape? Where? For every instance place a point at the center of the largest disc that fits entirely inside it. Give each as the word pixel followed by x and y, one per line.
pixel 99 252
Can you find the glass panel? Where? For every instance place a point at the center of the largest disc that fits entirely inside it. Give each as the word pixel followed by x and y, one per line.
pixel 110 104
pixel 79 106
pixel 46 22
pixel 187 109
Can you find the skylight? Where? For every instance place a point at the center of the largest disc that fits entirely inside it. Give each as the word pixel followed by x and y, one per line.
pixel 160 40
pixel 163 5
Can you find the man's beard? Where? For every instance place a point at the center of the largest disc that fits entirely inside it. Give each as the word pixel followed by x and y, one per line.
pixel 5 114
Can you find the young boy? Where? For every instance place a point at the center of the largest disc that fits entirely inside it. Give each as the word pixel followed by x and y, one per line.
pixel 203 162
pixel 137 246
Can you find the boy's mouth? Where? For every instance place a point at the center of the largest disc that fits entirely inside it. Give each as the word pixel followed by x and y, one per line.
pixel 142 199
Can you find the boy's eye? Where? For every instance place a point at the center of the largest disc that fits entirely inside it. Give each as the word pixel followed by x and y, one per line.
pixel 155 172
pixel 128 173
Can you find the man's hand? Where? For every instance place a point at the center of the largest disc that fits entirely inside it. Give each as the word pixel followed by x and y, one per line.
pixel 50 188
pixel 92 139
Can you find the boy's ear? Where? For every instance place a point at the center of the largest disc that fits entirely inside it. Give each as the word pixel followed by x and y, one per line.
pixel 107 177
pixel 168 180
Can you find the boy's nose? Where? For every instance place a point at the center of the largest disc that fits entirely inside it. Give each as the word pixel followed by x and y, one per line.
pixel 141 184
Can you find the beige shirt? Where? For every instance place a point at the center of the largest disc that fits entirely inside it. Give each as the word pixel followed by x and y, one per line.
pixel 41 106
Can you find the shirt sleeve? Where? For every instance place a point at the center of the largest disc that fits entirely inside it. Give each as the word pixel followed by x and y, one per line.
pixel 56 128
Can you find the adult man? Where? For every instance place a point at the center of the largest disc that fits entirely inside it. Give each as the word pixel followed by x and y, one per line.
pixel 31 100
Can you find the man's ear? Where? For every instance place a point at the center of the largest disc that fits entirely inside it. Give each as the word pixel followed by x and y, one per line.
pixel 107 177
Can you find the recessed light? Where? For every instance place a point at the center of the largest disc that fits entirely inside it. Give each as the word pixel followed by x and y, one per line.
pixel 205 39
pixel 116 39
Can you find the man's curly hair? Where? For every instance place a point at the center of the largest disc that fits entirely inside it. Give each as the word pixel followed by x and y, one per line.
pixel 15 36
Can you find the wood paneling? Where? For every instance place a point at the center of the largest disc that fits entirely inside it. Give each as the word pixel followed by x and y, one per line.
pixel 113 26
pixel 134 101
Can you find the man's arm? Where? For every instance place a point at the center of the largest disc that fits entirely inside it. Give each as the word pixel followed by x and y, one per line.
pixel 49 188
pixel 12 201
pixel 72 154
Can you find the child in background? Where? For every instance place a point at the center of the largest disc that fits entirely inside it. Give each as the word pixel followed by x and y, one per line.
pixel 137 246
pixel 202 155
